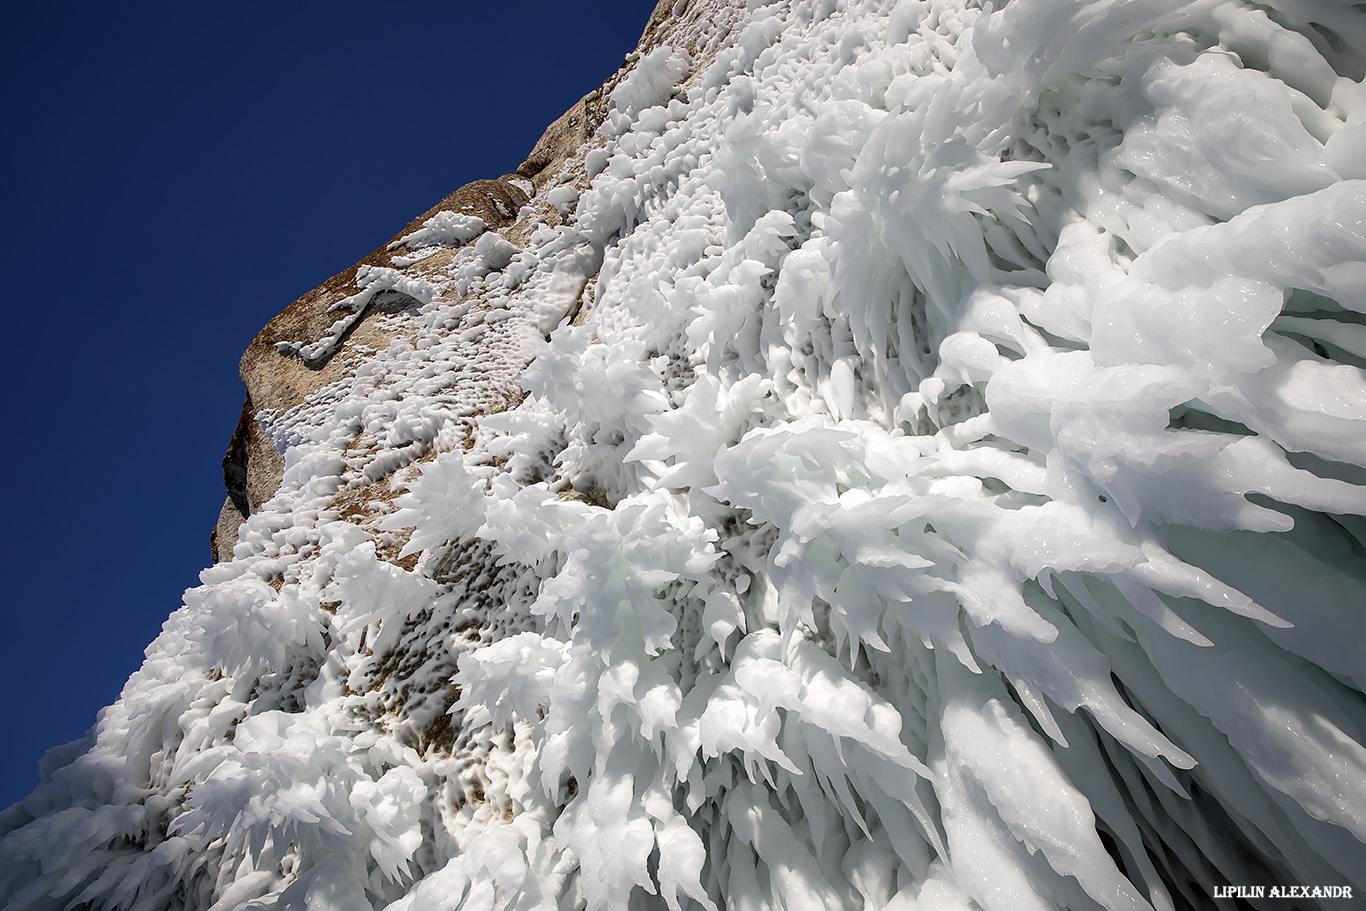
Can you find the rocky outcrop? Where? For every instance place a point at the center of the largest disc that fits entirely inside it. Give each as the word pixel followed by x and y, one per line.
pixel 278 379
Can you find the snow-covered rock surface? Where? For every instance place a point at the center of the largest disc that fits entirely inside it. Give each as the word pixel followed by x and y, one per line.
pixel 910 456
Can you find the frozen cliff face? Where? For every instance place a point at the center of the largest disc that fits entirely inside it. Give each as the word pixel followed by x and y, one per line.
pixel 900 455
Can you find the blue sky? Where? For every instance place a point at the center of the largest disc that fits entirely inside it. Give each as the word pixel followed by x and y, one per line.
pixel 176 174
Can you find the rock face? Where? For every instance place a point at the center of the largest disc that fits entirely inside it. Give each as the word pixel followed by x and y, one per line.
pixel 279 378
pixel 887 455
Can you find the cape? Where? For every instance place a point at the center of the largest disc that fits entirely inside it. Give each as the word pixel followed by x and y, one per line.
pixel 872 454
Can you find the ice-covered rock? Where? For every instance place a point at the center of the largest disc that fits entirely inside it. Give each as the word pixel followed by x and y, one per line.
pixel 885 454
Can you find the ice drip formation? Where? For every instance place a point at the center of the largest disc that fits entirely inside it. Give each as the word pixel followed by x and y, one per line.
pixel 872 454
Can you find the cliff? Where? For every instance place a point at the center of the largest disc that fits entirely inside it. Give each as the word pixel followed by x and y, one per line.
pixel 280 376
pixel 869 455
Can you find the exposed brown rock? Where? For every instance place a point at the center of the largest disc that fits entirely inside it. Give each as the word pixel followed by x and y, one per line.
pixel 277 381
pixel 563 138
pixel 224 533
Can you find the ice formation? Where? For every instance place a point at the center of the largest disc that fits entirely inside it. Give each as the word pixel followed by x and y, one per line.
pixel 912 457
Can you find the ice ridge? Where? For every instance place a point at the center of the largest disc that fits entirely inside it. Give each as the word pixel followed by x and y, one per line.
pixel 911 456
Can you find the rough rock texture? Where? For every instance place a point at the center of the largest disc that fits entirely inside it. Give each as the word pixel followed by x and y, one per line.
pixel 278 381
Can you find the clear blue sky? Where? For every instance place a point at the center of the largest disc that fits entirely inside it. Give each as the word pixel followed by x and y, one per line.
pixel 175 175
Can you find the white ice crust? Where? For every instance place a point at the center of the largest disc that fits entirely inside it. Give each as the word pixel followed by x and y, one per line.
pixel 949 495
